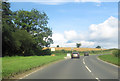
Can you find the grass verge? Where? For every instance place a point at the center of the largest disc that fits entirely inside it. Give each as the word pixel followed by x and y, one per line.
pixel 110 58
pixel 18 64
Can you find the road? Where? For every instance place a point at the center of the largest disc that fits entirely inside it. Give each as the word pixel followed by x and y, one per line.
pixel 88 67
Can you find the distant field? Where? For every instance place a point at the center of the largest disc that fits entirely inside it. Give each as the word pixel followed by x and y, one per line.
pixel 18 64
pixel 77 49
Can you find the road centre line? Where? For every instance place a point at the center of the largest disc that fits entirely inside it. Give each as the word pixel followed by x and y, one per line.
pixel 88 68
pixel 83 61
pixel 97 79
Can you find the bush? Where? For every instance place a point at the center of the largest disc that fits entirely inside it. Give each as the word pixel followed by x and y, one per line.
pixel 61 51
pixel 116 53
pixel 46 52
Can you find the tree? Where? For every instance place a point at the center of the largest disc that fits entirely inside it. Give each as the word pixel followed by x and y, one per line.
pixel 23 42
pixel 34 22
pixel 98 47
pixel 7 28
pixel 57 45
pixel 78 45
pixel 24 32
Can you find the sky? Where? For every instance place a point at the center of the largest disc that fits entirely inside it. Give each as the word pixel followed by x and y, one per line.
pixel 89 23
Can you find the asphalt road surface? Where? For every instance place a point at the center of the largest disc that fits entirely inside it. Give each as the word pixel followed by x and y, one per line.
pixel 87 67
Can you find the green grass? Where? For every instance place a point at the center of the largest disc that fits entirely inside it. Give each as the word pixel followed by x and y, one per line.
pixel 19 64
pixel 82 53
pixel 60 54
pixel 110 58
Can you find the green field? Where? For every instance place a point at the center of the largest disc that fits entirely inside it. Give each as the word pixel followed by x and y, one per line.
pixel 110 58
pixel 19 64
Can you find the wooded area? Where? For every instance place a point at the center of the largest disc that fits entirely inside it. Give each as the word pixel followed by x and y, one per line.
pixel 24 33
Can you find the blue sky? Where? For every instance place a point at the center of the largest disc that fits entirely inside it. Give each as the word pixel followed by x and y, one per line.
pixel 76 18
pixel 71 15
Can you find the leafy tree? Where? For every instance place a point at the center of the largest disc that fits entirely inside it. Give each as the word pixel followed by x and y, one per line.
pixel 7 29
pixel 23 42
pixel 57 45
pixel 34 22
pixel 98 47
pixel 24 32
pixel 78 45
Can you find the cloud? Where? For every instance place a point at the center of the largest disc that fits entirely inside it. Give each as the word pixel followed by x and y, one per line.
pixel 108 30
pixel 64 0
pixel 87 43
pixel 58 39
pixel 57 2
pixel 69 39
pixel 72 35
pixel 104 34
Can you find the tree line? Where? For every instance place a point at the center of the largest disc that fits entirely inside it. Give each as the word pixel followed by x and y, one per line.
pixel 24 33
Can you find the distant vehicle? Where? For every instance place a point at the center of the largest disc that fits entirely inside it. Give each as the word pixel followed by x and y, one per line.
pixel 86 54
pixel 75 55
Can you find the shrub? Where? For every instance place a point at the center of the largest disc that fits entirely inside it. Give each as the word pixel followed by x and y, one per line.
pixel 46 52
pixel 116 53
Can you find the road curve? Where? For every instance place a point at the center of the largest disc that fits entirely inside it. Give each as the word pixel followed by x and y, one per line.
pixel 88 67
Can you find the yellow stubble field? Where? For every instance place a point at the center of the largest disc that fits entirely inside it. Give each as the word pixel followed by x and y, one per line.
pixel 77 49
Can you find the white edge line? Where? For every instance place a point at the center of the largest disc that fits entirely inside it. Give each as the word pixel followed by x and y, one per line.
pixel 29 74
pixel 32 72
pixel 108 63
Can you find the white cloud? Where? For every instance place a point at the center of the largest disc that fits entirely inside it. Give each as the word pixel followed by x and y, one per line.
pixel 70 34
pixel 73 35
pixel 50 2
pixel 87 43
pixel 104 34
pixel 62 39
pixel 58 39
pixel 105 31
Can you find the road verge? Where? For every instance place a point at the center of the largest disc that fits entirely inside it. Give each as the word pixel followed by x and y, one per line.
pixel 109 59
pixel 13 67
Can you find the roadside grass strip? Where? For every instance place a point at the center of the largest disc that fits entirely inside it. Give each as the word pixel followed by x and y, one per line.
pixel 110 58
pixel 18 64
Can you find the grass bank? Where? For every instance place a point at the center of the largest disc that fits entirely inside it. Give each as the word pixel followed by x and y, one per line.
pixel 110 58
pixel 18 64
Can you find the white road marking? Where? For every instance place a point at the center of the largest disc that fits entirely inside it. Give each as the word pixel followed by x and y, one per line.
pixel 83 62
pixel 88 68
pixel 30 73
pixel 97 79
